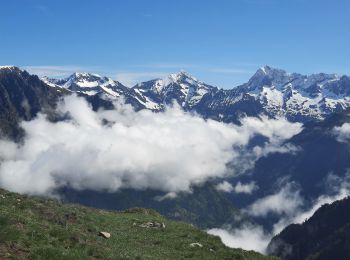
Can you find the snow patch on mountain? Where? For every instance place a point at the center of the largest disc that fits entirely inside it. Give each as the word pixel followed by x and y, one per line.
pixel 181 87
pixel 10 67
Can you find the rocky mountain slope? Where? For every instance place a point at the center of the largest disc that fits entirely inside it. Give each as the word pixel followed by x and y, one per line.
pixel 22 96
pixel 93 85
pixel 186 90
pixel 326 235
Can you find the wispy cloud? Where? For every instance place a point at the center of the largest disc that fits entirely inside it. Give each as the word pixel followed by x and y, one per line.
pixel 289 205
pixel 243 67
pixel 142 72
pixel 134 74
pixel 247 188
pixel 58 71
pixel 248 237
pixel 166 65
pixel 284 202
pixel 132 78
pixel 231 70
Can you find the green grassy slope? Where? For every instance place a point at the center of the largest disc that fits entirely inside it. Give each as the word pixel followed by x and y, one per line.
pixel 35 228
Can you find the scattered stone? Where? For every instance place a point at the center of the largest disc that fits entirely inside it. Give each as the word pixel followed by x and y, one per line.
pixel 196 244
pixel 105 234
pixel 152 224
pixel 212 250
pixel 2 196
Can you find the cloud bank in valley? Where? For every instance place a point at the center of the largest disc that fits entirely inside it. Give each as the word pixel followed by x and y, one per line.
pixel 288 205
pixel 249 237
pixel 113 149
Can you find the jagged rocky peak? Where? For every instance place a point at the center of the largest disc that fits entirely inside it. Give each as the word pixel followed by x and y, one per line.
pixel 88 83
pixel 181 78
pixel 10 68
pixel 278 78
pixel 82 79
pixel 181 87
pixel 84 76
pixel 14 71
pixel 268 76
pixel 271 72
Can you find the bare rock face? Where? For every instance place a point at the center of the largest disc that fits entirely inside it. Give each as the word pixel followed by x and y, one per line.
pixel 105 234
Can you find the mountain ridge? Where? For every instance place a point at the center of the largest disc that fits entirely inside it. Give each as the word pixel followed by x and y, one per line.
pixel 325 235
pixel 269 91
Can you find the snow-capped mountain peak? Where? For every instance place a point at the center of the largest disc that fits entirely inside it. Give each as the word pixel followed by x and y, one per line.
pixel 270 71
pixel 278 93
pixel 181 76
pixel 270 91
pixel 181 87
pixel 87 80
pixel 267 75
pixel 87 83
pixel 8 67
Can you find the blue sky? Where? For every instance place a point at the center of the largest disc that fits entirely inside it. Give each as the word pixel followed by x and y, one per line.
pixel 221 42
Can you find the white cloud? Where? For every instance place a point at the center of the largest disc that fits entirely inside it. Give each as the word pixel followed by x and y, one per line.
pixel 342 132
pixel 224 186
pixel 233 71
pixel 289 205
pixel 168 151
pixel 247 188
pixel 339 188
pixel 169 195
pixel 286 201
pixel 248 237
pixel 54 71
pixel 276 130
